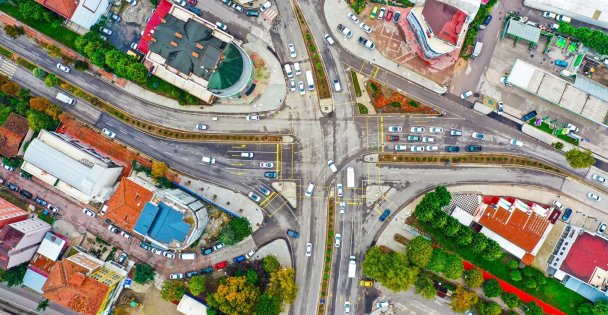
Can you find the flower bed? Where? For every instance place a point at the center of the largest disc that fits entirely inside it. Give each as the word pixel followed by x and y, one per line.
pixel 387 100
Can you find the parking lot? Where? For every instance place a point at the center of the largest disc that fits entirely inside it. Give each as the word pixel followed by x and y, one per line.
pixel 133 20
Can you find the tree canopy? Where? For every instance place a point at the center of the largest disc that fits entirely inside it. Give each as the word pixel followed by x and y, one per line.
pixel 268 304
pixel 234 296
pixel 392 270
pixel 491 288
pixel 453 267
pixel 489 308
pixel 235 231
pixel 196 285
pixel 270 263
pixel 473 278
pixel 580 159
pixel 173 290
pixel 419 251
pixel 463 299
pixel 144 273
pixel 424 286
pixel 283 284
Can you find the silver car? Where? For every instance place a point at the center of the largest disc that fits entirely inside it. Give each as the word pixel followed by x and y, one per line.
pixel 417 129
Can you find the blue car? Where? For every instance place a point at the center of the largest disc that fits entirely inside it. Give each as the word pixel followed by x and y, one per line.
pixel 561 63
pixel 567 215
pixel 207 270
pixel 238 259
pixel 207 251
pixel 271 174
pixel 384 215
pixel 487 20
pixel 293 233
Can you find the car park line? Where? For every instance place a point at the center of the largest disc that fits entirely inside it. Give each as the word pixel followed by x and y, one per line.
pixel 268 199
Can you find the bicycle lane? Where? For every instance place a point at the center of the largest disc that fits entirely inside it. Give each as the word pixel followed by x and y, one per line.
pixel 524 296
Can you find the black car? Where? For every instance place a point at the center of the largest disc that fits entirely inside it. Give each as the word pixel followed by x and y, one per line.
pixel 392 138
pixel 487 20
pixel 207 251
pixel 108 221
pixel 529 115
pixel 452 148
pixel 207 270
pixel 26 194
pixel 40 201
pixel 12 186
pixel 195 10
pixel 192 273
pixel 473 148
pixel 25 175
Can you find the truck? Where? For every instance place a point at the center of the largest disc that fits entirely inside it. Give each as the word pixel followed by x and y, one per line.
pixel 66 99
pixel 352 266
pixel 310 81
pixel 350 177
pixel 477 49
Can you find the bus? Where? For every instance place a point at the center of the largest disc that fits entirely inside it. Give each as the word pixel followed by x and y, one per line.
pixel 310 81
pixel 374 12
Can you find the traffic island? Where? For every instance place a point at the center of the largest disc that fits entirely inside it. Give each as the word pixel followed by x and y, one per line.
pixel 329 246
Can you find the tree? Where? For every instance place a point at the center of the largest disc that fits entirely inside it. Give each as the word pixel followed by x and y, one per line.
pixel 533 309
pixel 510 299
pixel 443 196
pixel 173 290
pixel 144 273
pixel 600 307
pixel 252 277
pixel 38 121
pixel 424 212
pixel 419 251
pixel 13 31
pixel 529 283
pixel 81 65
pixel 580 159
pixel 558 145
pixel 463 299
pixel 452 227
pixel 492 251
pixel 234 296
pixel 440 220
pixel 399 277
pixel 424 286
pixel 53 51
pixel 31 9
pixel 235 230
pixel 10 88
pixel 196 285
pixel 438 260
pixel 453 267
pixel 513 263
pixel 268 304
pixel 479 243
pixel 39 103
pixel 97 58
pixel 159 169
pixel 489 308
pixel 39 73
pixel 14 276
pixel 137 72
pixel 515 275
pixel 465 236
pixel 51 80
pixel 473 278
pixel 283 285
pixel 271 263
pixel 491 288
pixel 42 305
pixel 53 111
pixel 113 58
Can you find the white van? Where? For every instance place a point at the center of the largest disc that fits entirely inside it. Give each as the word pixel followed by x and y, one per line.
pixel 247 155
pixel 328 39
pixel 208 160
pixel 309 190
pixel 187 256
pixel 288 70
pixel 66 99
pixel 296 67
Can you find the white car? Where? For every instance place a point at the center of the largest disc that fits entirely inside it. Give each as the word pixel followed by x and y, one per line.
pixel 88 212
pixel 436 130
pixel 478 136
pixel 53 208
pixel 169 255
pixel 253 117
pixel 237 8
pixel 395 129
pixel 201 126
pixel 353 18
pixel 308 249
pixel 338 240
pixel 292 50
pixel 250 254
pixel 549 15
pixel 254 197
pixel 108 133
pixel 347 307
pixel 337 86
pixel 417 129
pixel 63 68
pixel 466 94
pixel 400 147
pixel 594 196
pixel 174 276
pixel 221 26
pixel 340 189
pixel 266 164
pixel 432 148
pixel 342 207
pixel 218 246
pixel 292 85
pixel 132 2
pixel 516 142
pixel 598 178
pixel 113 229
pixel 332 166
pixel 365 27
pixel 181 3
pixel 265 6
pixel 428 139
pixel 125 234
pixel 157 251
pixel 504 81
pixel 301 88
pixel 105 31
pixel 417 148
pixel 381 13
pixel 134 46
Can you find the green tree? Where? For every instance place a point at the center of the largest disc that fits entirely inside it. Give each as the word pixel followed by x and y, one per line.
pixel 53 51
pixel 473 278
pixel 533 309
pixel 491 288
pixel 600 307
pixel 580 159
pixel 270 263
pixel 42 305
pixel 235 231
pixel 402 278
pixel 489 308
pixel 492 251
pixel 252 277
pixel 13 31
pixel 465 236
pixel 424 212
pixel 529 283
pixel 114 57
pixel 453 267
pixel 51 80
pixel 234 296
pixel 39 73
pixel 510 299
pixel 97 58
pixel 424 286
pixel 14 276
pixel 196 285
pixel 438 260
pixel 440 220
pixel 137 72
pixel 443 196
pixel 31 9
pixel 268 305
pixel 558 145
pixel 39 120
pixel 81 65
pixel 173 290
pixel 375 264
pixel 419 251
pixel 479 243
pixel 452 227
pixel 144 273
pixel 515 275
pixel 283 285
pixel 463 299
pixel 513 263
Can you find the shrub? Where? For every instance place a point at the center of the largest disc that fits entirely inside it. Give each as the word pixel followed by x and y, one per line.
pixel 396 104
pixel 413 103
pixel 515 275
pixel 362 109
pixel 353 74
pixel 491 288
pixel 373 86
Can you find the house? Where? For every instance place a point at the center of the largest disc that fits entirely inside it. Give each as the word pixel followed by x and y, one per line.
pixel 127 202
pixel 71 167
pixel 20 241
pixel 190 305
pixel 9 213
pixel 40 266
pixel 12 135
pixel 81 13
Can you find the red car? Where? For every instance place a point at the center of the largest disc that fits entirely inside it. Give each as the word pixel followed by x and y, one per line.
pixel 220 265
pixel 392 138
pixel 192 2
pixel 389 14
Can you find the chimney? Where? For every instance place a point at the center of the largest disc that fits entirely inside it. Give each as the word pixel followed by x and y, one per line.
pixel 174 44
pixel 178 35
pixel 194 54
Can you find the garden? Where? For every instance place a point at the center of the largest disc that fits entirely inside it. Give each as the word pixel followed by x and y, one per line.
pixel 553 128
pixel 387 100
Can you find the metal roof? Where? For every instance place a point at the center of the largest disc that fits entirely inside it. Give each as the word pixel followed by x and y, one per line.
pixel 162 223
pixel 51 246
pixel 34 280
pixel 524 31
pixel 591 87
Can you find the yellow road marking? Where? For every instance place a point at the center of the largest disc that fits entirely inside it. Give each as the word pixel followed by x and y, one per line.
pixel 291 161
pixel 237 173
pixel 238 164
pixel 376 73
pixel 240 146
pixel 278 166
pixel 268 199
pixel 278 208
pixel 382 132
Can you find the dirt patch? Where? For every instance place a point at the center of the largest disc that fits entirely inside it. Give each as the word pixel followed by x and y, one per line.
pixel 387 100
pixel 217 219
pixel 149 303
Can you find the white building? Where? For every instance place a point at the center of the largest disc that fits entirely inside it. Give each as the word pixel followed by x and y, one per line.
pixel 594 12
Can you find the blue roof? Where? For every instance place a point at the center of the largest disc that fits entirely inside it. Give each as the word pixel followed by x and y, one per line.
pixel 34 280
pixel 162 223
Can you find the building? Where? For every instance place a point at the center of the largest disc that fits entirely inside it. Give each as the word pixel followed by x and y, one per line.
pixel 190 305
pixel 71 167
pixel 523 31
pixel 12 134
pixel 594 12
pixel 438 26
pixel 9 213
pixel 20 240
pixel 81 13
pixel 83 283
pixel 194 55
pixel 127 202
pixel 48 253
pixel 580 260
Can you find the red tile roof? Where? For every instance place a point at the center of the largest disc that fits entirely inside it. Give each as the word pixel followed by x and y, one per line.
pixel 9 213
pixel 11 134
pixel 41 264
pixel 65 8
pixel 587 253
pixel 67 285
pixel 125 205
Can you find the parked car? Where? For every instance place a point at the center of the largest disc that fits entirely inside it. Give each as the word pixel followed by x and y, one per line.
pixel 601 228
pixel 529 116
pixel 292 85
pixel 26 194
pixel 455 133
pixel 221 26
pixel 157 251
pixel 113 229
pixel 250 254
pixel 12 186
pixel 478 136
pixel 220 265
pixel 466 94
pixel 549 15
pixel 452 148
pixel 412 138
pixel 365 28
pixel 417 148
pixel 381 13
pixel 292 50
pixel 126 235
pixel 332 166
pixel 238 259
pixel 207 270
pixel 175 276
pixel 395 129
pixel 384 215
pixel 567 215
pixel 254 197
pixel 432 148
pixel 192 273
pixel 237 8
pixel 367 43
pixel 366 283
pixel 108 133
pixel 122 257
pixel 301 88
pixel 88 212
pixel 561 63
pixel 400 147
pixel 265 6
pixel 264 190
pixel 132 2
pixel 146 246
pixel 105 31
pixel 195 10
pixel 293 234
pixel 473 148
pixel 266 164
pixel 308 249
pixel 169 255
pixel 207 251
pixel 487 20
pixel 353 17
pixel 396 17
pixel 516 142
pixel 389 14
pixel 428 139
pixel 218 246
pixel 115 17
pixel 270 174
pixel 598 178
pixel 254 13
pixel 417 129
pixel 345 31
pixel 340 189
pixel 594 196
pixel 53 208
pixel 436 130
pixel 40 201
pixel 392 138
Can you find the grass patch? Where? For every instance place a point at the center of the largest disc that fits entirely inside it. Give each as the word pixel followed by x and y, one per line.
pixel 413 103
pixel 26 64
pixel 6 53
pixel 6 195
pixel 46 218
pixel 547 128
pixel 362 109
pixel 162 87
pixel 374 87
pixel 353 74
pixel 395 104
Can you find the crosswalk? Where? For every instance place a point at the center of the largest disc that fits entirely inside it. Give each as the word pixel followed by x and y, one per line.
pixel 270 14
pixel 7 67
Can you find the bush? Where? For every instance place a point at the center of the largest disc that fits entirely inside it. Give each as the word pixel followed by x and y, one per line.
pixel 515 275
pixel 362 109
pixel 558 145
pixel 373 86
pixel 491 288
pixel 413 103
pixel 510 299
pixel 353 74
pixel 396 104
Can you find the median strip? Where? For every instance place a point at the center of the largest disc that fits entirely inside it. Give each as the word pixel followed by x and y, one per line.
pixel 329 247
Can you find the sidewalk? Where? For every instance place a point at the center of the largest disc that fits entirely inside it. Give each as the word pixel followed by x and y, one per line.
pixel 335 11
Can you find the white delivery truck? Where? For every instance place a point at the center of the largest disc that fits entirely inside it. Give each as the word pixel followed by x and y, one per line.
pixel 350 177
pixel 66 99
pixel 310 81
pixel 477 49
pixel 352 266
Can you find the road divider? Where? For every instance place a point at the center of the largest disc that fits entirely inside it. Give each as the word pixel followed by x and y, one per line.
pixel 329 247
